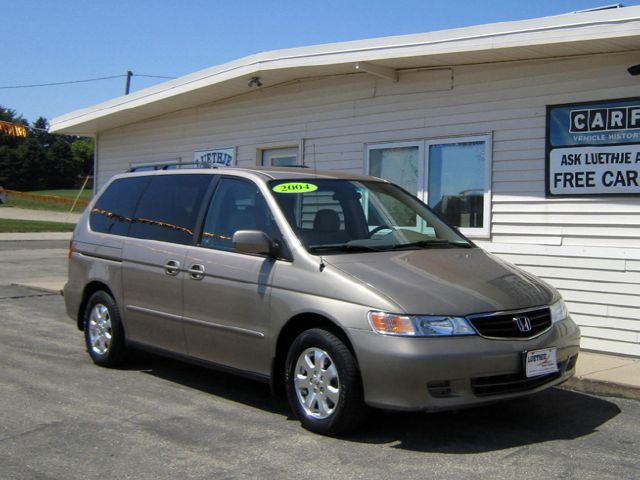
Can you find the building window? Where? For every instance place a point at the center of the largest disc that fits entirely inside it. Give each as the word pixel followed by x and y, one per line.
pixel 399 163
pixel 280 157
pixel 453 176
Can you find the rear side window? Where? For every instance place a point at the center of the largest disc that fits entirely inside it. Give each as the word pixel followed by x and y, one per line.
pixel 113 212
pixel 169 208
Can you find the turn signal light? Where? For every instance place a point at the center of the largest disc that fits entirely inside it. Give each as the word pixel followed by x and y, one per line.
pixel 391 324
pixel 419 325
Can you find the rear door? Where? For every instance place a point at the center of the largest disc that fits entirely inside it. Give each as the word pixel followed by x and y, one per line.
pixel 161 232
pixel 226 293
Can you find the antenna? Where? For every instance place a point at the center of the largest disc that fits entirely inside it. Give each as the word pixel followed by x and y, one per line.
pixel 315 166
pixel 322 265
pixel 128 83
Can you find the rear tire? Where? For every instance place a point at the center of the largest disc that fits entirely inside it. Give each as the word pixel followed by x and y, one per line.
pixel 323 384
pixel 103 332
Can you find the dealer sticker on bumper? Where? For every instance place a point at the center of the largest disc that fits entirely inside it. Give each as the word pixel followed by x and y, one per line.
pixel 541 362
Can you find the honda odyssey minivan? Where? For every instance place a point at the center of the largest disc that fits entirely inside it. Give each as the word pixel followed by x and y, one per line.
pixel 345 292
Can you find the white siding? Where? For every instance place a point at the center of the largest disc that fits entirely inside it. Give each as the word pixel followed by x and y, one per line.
pixel 588 248
pixel 599 285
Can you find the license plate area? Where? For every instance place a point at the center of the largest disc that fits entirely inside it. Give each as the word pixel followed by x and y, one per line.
pixel 540 362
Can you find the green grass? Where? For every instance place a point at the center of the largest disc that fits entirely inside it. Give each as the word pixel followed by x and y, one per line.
pixel 86 194
pixel 38 205
pixel 19 202
pixel 22 226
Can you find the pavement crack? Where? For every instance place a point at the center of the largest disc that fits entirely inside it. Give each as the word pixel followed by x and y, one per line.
pixel 20 297
pixel 29 432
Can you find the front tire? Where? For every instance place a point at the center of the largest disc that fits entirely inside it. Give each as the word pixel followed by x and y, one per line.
pixel 323 384
pixel 103 332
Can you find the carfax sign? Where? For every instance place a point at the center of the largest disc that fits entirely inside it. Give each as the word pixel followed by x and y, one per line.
pixel 593 148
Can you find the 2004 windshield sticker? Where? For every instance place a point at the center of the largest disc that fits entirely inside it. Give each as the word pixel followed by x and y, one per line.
pixel 295 187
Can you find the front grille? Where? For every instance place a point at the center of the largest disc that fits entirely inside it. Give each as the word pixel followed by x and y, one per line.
pixel 504 325
pixel 512 383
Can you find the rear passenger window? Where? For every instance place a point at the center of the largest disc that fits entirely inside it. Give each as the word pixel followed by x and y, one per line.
pixel 113 211
pixel 236 205
pixel 169 208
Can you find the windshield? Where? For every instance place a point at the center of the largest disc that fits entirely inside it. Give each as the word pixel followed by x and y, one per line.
pixel 354 216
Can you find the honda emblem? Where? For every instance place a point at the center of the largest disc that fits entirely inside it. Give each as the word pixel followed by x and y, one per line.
pixel 523 323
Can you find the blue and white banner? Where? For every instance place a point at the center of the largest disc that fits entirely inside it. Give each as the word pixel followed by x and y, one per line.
pixel 593 148
pixel 217 157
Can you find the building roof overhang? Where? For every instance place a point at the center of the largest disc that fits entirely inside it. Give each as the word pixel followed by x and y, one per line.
pixel 574 34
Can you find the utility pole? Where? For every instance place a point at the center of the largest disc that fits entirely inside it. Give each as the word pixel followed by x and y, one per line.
pixel 128 84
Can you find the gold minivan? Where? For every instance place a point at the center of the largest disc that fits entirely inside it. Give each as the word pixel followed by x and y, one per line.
pixel 344 291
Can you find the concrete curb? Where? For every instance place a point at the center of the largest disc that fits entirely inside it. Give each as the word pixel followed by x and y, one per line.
pixel 602 387
pixel 15 213
pixel 35 236
pixel 40 288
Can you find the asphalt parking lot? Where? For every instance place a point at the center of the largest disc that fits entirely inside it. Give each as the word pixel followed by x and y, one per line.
pixel 64 418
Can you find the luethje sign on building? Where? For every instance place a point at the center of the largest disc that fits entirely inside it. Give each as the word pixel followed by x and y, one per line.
pixel 215 157
pixel 593 148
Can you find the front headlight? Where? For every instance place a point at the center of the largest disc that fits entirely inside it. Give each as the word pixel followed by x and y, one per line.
pixel 419 325
pixel 558 311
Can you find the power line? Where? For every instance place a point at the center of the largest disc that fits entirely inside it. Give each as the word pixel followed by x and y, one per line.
pixel 152 76
pixel 62 83
pixel 81 81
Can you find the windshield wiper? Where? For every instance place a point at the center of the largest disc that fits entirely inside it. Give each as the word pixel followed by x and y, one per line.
pixel 343 247
pixel 432 243
pixel 347 247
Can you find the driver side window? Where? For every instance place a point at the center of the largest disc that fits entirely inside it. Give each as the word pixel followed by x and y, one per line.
pixel 237 204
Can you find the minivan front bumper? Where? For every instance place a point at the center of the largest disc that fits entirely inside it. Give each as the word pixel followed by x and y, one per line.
pixel 442 373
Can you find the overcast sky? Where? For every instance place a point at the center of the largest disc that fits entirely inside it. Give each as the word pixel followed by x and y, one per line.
pixel 68 40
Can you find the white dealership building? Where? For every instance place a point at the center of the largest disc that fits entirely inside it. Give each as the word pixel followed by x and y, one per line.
pixel 526 135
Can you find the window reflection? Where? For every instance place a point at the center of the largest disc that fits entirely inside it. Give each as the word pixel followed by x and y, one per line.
pixel 397 165
pixel 457 182
pixel 168 209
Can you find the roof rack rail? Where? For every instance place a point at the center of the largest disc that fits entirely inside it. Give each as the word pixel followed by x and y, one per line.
pixel 141 167
pixel 602 7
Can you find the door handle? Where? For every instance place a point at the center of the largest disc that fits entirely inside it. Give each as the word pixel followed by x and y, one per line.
pixel 196 272
pixel 172 267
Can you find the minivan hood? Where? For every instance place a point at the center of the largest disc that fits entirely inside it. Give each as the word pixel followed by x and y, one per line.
pixel 449 281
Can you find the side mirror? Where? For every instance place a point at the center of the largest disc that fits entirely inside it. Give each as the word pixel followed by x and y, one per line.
pixel 255 242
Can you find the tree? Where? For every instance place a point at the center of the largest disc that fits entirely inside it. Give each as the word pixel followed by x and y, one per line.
pixel 28 171
pixel 8 159
pixel 40 132
pixel 61 170
pixel 42 160
pixel 82 151
pixel 9 115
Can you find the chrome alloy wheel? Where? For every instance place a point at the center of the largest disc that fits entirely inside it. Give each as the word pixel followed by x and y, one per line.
pixel 100 331
pixel 317 384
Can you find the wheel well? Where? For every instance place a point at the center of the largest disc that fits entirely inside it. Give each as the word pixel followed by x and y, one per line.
pixel 89 290
pixel 294 327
